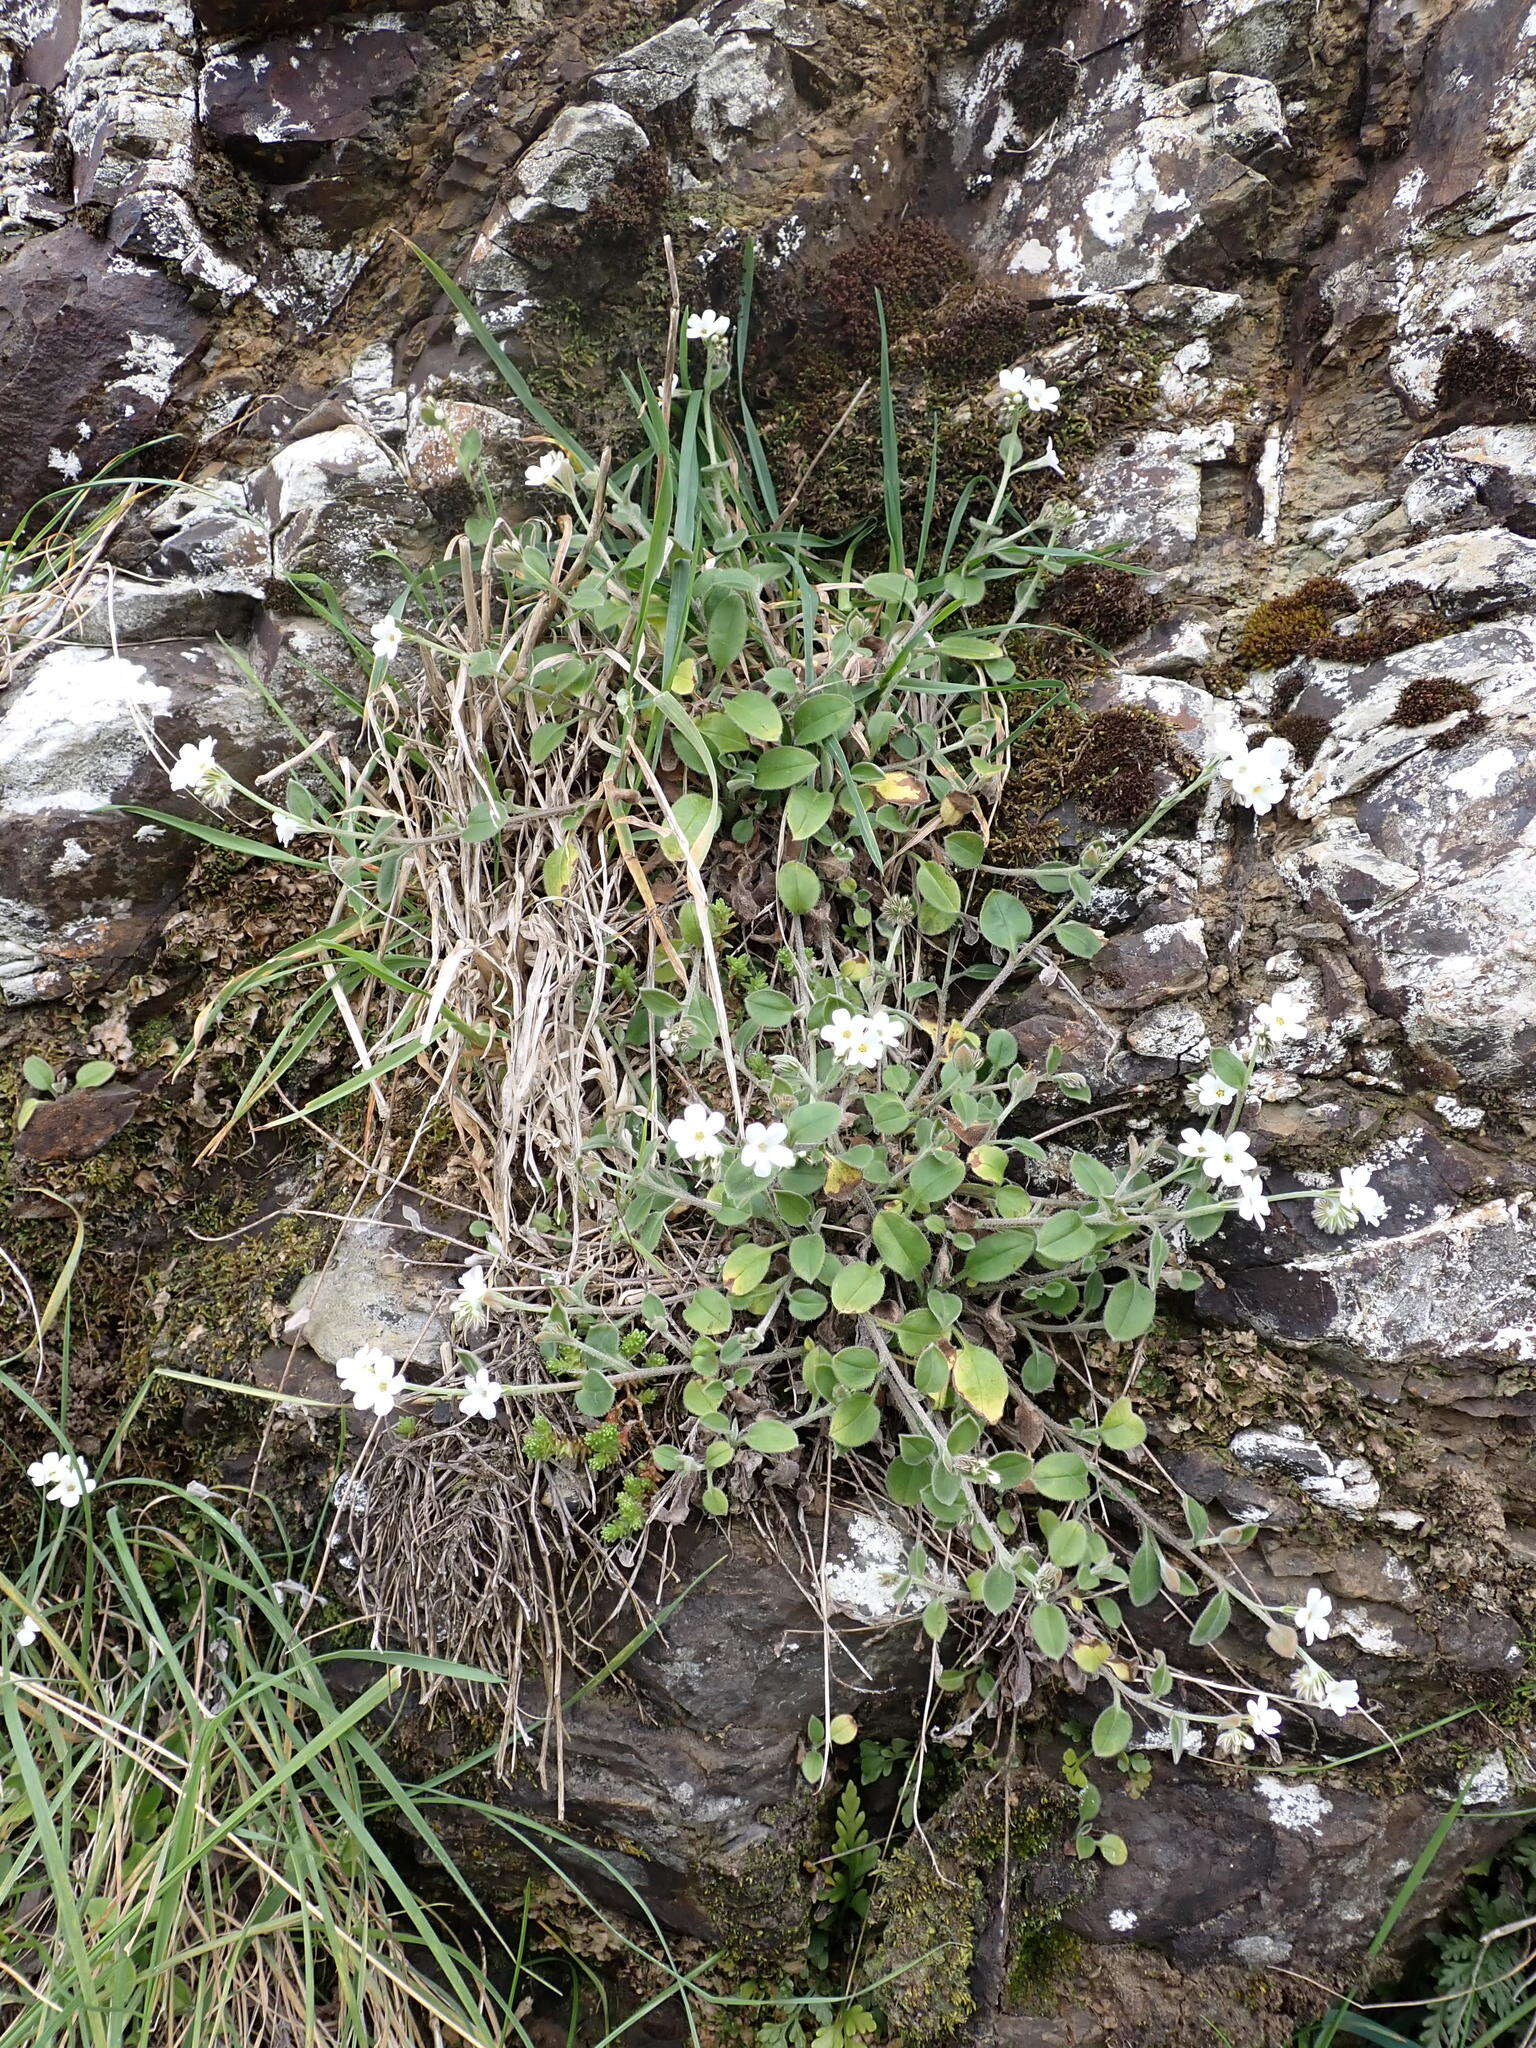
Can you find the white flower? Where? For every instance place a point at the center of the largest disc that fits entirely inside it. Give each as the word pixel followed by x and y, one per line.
pixel 1286 1016
pixel 1257 778
pixel 369 1376
pixel 480 1395
pixel 696 1133
pixel 1343 1697
pixel 1050 459
pixel 844 1033
pixel 1209 1091
pixel 1311 1617
pixel 863 1041
pixel 198 1491
pixel 61 1476
pixel 477 1300
pixel 1019 387
pixel 286 827
pixel 1310 1682
pixel 551 468
pixel 1252 1202
pixel 1230 1161
pixel 1233 1742
pixel 764 1150
pixel 1353 1201
pixel 888 1028
pixel 1200 1146
pixel 707 326
pixel 27 1633
pixel 386 639
pixel 673 1037
pixel 196 771
pixel 1263 1719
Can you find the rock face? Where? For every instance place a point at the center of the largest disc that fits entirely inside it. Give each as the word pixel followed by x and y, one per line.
pixel 1303 237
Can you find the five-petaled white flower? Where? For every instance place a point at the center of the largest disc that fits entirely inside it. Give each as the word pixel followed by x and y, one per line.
pixel 552 467
pixel 1256 777
pixel 764 1150
pixel 477 1300
pixel 1020 387
pixel 61 1476
pixel 196 771
pixel 1263 1719
pixel 1252 1203
pixel 1343 1697
pixel 1209 1091
pixel 481 1394
pixel 1353 1201
pixel 27 1633
pixel 1286 1017
pixel 386 639
pixel 844 1032
pixel 696 1133
pixel 370 1377
pixel 1200 1146
pixel 707 326
pixel 1230 1160
pixel 286 827
pixel 1312 1623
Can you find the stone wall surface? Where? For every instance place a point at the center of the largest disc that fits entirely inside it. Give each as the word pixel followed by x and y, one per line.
pixel 1319 221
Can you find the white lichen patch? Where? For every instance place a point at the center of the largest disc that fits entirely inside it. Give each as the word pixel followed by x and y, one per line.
pixel 865 1580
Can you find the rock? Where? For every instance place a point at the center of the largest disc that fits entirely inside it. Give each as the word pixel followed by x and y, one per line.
pixel 745 95
pixel 1469 574
pixel 252 17
pixel 77 1125
pixel 658 71
pixel 1490 470
pixel 375 1289
pixel 97 343
pixel 1146 500
pixel 278 103
pixel 85 882
pixel 578 155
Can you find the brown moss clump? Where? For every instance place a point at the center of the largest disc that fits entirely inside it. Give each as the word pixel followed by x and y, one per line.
pixel 1435 697
pixel 1043 85
pixel 1110 606
pixel 1304 733
pixel 616 231
pixel 1113 765
pixel 910 270
pixel 1481 369
pixel 1398 617
pixel 977 333
pixel 1276 631
pixel 1119 771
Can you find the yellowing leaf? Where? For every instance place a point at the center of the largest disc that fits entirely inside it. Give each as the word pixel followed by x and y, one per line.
pixel 988 1163
pixel 685 677
pixel 1089 1656
pixel 950 813
pixel 841 1177
pixel 559 867
pixel 900 786
pixel 980 1380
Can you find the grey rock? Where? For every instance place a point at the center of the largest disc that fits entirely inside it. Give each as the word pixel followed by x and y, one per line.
pixel 580 153
pixel 321 86
pixel 1470 574
pixel 1146 500
pixel 659 70
pixel 375 1289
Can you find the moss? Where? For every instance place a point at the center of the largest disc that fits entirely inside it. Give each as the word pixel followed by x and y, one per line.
pixel 909 269
pixel 1041 87
pixel 1111 765
pixel 612 237
pixel 765 1905
pixel 976 333
pixel 1162 30
pixel 1304 734
pixel 1276 631
pixel 1482 370
pixel 1398 617
pixel 1105 604
pixel 1435 697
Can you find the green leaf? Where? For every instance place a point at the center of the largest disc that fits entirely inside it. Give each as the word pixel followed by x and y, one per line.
pixel 938 887
pixel 746 1267
pixel 1129 1310
pixel 1067 1545
pixel 781 767
pixel 1000 1253
pixel 807 1256
pixel 1005 922
pixel 1078 939
pixel 754 714
pixel 771 1437
pixel 698 820
pixel 594 1396
pixel 799 888
pixel 1212 1620
pixel 935 1620
pixel 1048 1626
pixel 1146 1576
pixel 1063 1239
pixel 545 739
pixel 727 633
pixel 904 1248
pixel 1061 1475
pixel 770 1007
pixel 813 1123
pixel 891 588
pixel 854 1421
pixel 1226 1066
pixel 36 1072
pixel 969 647
pixel 1112 1731
pixel 933 1175
pixel 999 1589
pixel 857 1287
pixel 1122 1428
pixel 806 811
pixel 94 1074
pixel 824 715
pixel 964 849
pixel 709 1313
pixel 980 1380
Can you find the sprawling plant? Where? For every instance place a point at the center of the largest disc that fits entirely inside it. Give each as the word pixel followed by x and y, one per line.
pixel 664 864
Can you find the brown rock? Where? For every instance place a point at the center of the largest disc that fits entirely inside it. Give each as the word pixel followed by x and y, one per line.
pixel 77 1125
